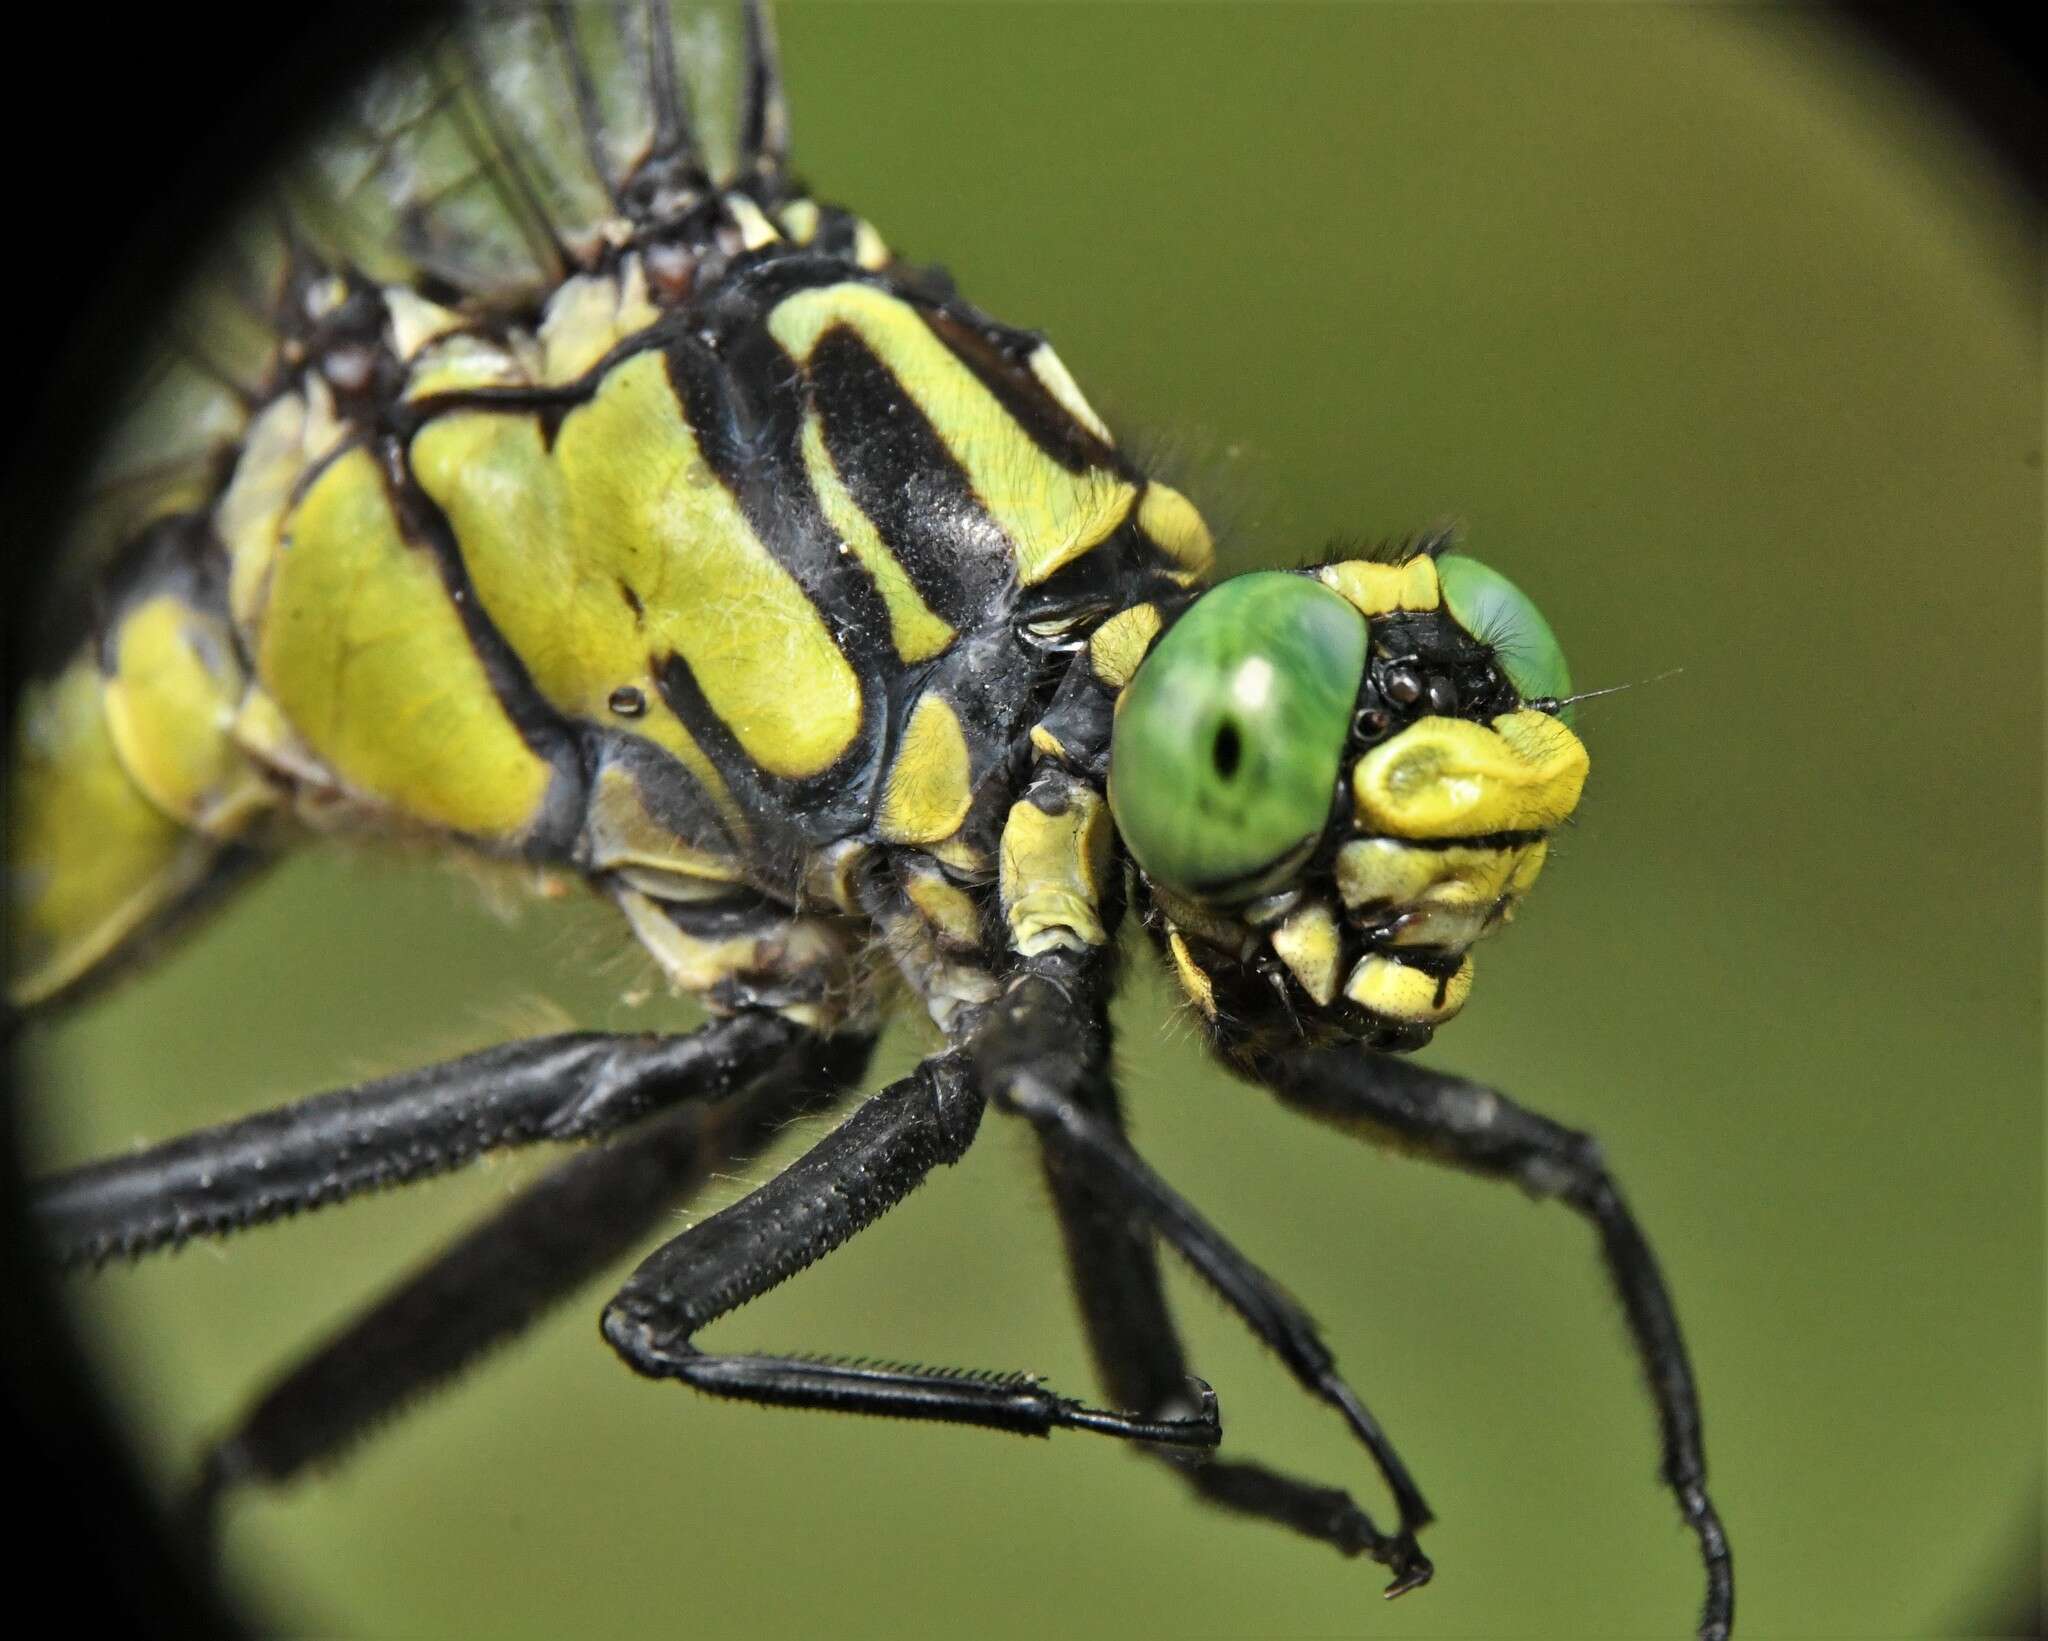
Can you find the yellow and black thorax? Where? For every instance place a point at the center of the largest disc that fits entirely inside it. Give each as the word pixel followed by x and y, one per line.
pixel 751 554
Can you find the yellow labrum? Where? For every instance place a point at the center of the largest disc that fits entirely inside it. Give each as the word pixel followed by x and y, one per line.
pixel 1051 515
pixel 90 860
pixel 619 548
pixel 170 701
pixel 918 634
pixel 367 657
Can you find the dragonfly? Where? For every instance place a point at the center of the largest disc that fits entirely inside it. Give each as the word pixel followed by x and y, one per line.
pixel 542 474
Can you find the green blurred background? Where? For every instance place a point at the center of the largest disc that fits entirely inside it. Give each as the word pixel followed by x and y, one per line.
pixel 1717 337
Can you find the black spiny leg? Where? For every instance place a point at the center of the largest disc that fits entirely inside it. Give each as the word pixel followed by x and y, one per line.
pixel 575 1086
pixel 500 1277
pixel 1138 1357
pixel 878 1156
pixel 1478 1128
pixel 1046 1042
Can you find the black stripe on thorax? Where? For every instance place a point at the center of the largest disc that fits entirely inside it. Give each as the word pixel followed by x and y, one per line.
pixel 901 475
pixel 744 404
pixel 789 817
pixel 422 523
pixel 746 407
pixel 999 359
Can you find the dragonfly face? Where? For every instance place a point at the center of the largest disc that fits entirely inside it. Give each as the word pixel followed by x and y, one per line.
pixel 1335 783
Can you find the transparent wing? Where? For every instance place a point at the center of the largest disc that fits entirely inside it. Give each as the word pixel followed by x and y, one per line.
pixel 497 151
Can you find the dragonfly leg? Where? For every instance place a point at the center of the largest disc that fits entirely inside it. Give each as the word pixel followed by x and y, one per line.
pixel 1045 1043
pixel 1483 1130
pixel 574 1086
pixel 498 1278
pixel 878 1156
pixel 1115 1276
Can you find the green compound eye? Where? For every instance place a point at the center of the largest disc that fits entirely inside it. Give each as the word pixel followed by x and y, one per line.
pixel 1229 739
pixel 1494 610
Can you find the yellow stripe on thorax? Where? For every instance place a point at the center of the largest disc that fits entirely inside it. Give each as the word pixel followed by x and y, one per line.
pixel 553 593
pixel 645 511
pixel 1051 516
pixel 291 436
pixel 370 662
pixel 930 786
pixel 918 633
pixel 1170 520
pixel 590 315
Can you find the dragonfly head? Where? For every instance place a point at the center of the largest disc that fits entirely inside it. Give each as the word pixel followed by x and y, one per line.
pixel 1335 782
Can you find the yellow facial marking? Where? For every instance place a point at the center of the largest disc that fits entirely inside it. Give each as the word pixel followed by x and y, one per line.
pixel 1395 991
pixel 1383 589
pixel 1201 991
pixel 1309 943
pixel 1121 642
pixel 1043 740
pixel 369 661
pixel 1443 897
pixel 918 634
pixel 1054 377
pixel 1051 874
pixel 1170 520
pixel 930 787
pixel 170 703
pixel 1050 515
pixel 90 860
pixel 1447 778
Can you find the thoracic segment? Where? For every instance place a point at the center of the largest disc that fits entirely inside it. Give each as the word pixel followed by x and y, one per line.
pixel 679 596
